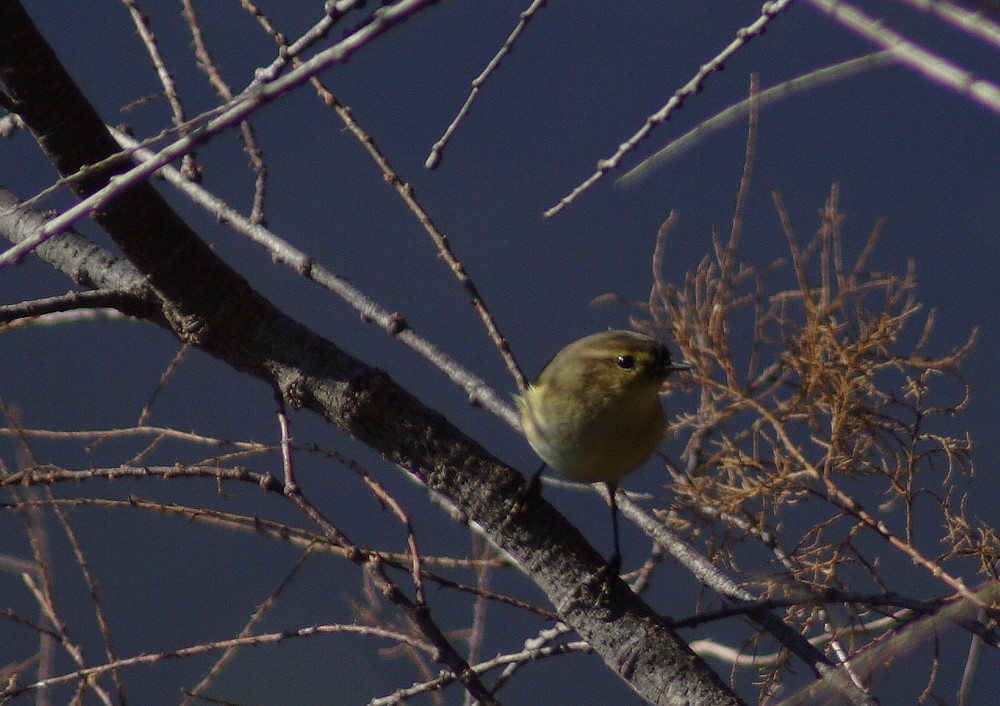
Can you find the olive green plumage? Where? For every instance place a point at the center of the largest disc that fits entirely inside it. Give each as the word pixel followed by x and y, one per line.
pixel 594 413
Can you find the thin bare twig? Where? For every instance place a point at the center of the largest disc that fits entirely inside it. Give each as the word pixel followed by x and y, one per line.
pixel 258 615
pixel 224 118
pixel 88 577
pixel 437 150
pixel 725 118
pixel 188 166
pixel 88 674
pixel 394 323
pixel 936 68
pixel 440 240
pixel 124 302
pixel 975 24
pixel 207 64
pixel 768 12
pixel 147 409
pixel 418 615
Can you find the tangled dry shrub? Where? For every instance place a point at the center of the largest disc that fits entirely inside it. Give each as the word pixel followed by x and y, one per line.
pixel 817 442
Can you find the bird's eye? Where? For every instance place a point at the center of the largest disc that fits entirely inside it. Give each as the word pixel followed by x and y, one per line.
pixel 626 362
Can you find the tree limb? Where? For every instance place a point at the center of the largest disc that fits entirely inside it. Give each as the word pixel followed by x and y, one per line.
pixel 209 305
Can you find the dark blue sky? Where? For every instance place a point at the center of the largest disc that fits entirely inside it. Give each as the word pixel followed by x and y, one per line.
pixel 582 79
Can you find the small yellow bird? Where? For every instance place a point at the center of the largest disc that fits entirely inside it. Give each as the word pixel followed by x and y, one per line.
pixel 594 412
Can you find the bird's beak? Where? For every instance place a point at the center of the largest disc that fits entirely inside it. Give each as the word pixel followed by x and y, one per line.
pixel 681 366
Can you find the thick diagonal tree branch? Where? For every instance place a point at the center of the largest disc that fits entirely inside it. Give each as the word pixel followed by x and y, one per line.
pixel 211 306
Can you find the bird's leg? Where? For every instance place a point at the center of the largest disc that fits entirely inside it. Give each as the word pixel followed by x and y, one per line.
pixel 614 565
pixel 530 487
pixel 613 568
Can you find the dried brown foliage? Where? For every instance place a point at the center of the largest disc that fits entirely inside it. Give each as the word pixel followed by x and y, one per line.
pixel 821 432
